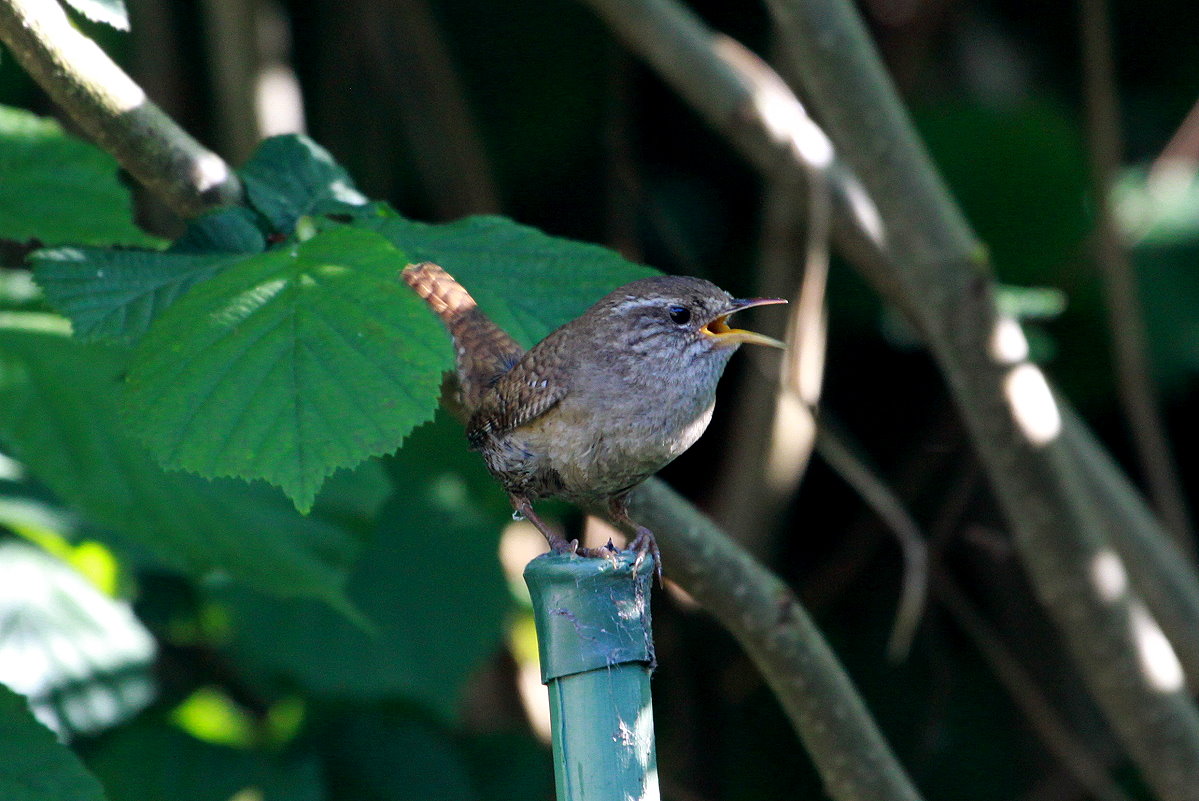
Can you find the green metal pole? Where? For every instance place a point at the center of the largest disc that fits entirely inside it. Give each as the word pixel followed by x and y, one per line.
pixel 597 652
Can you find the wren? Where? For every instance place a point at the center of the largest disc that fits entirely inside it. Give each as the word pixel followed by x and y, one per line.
pixel 600 404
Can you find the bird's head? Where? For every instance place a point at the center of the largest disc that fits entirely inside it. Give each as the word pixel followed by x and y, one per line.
pixel 676 319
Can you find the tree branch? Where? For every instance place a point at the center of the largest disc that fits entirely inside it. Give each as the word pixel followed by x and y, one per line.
pixel 1126 323
pixel 883 501
pixel 1007 405
pixel 777 424
pixel 688 56
pixel 1038 710
pixel 928 262
pixel 775 630
pixel 1162 574
pixel 113 110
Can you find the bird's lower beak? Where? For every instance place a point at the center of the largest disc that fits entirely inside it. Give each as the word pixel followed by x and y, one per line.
pixel 719 328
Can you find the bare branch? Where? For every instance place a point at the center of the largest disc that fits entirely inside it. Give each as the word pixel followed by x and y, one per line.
pixel 113 110
pixel 1182 151
pixel 928 262
pixel 775 630
pixel 778 423
pixel 1008 407
pixel 886 504
pixel 1162 575
pixel 1126 323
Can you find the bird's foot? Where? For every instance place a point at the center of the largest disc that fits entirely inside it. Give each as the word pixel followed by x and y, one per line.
pixel 561 545
pixel 645 544
pixel 558 544
pixel 608 552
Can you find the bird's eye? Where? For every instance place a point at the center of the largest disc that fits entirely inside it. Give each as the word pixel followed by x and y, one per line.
pixel 680 314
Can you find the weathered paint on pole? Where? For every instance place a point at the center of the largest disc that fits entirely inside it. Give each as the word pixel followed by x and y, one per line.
pixel 597 652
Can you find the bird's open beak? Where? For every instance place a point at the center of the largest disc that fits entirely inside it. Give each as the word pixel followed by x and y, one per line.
pixel 719 328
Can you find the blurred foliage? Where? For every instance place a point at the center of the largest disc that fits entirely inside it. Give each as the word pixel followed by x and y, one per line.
pixel 358 652
pixel 33 767
pixel 1160 213
pixel 59 190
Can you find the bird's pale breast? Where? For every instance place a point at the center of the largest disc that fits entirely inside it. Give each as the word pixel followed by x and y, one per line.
pixel 570 454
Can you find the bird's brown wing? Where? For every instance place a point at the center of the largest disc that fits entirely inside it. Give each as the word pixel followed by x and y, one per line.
pixel 530 389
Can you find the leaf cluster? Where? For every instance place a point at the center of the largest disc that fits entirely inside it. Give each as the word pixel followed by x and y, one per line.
pixel 223 413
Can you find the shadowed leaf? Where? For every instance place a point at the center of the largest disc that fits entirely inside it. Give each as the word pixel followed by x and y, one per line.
pixel 58 415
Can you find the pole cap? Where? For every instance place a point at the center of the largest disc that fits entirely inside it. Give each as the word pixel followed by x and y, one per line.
pixel 590 612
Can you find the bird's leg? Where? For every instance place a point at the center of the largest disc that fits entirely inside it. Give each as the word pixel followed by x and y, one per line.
pixel 643 539
pixel 558 543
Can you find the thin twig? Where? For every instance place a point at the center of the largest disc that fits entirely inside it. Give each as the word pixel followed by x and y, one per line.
pixel 405 43
pixel 1182 151
pixel 113 110
pixel 886 504
pixel 1073 755
pixel 1126 323
pixel 763 614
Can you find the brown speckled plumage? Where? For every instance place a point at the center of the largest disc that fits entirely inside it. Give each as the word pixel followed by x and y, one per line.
pixel 601 403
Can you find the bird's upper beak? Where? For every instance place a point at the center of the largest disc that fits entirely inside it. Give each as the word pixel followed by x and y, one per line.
pixel 719 328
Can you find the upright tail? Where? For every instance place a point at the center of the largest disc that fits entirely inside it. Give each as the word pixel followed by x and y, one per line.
pixel 484 351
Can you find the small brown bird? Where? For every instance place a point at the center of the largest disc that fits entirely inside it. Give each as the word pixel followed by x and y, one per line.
pixel 600 404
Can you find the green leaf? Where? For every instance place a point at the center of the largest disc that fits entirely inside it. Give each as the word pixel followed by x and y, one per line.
pixel 33 766
pixel 230 230
pixel 82 658
pixel 429 582
pixel 58 189
pixel 152 761
pixel 395 756
pixel 58 415
pixel 1032 219
pixel 1031 302
pixel 289 365
pixel 117 294
pixel 288 176
pixel 109 12
pixel 527 281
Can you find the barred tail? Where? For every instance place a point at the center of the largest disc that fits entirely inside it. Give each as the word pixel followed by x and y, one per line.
pixel 448 298
pixel 484 351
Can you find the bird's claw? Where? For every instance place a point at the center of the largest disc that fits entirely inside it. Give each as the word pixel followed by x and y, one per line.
pixel 560 545
pixel 645 544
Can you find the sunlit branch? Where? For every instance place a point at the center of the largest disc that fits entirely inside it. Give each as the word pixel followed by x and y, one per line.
pixel 777 424
pixel 1161 574
pixel 941 272
pixel 113 110
pixel 1028 696
pixel 1181 153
